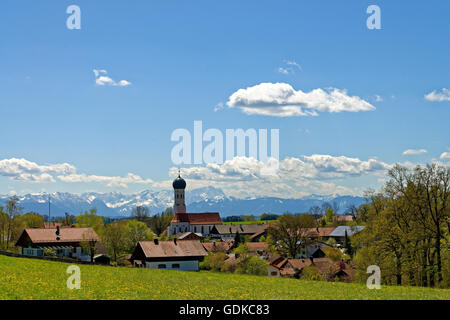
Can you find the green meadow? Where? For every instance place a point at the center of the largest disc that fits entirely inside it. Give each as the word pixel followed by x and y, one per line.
pixel 30 279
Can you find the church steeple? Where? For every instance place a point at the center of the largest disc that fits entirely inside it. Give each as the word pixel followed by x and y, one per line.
pixel 179 185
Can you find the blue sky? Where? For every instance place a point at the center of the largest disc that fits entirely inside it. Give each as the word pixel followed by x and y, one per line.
pixel 184 58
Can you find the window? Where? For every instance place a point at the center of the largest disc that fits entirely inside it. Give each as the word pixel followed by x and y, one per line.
pixel 202 229
pixel 176 266
pixel 274 273
pixel 161 266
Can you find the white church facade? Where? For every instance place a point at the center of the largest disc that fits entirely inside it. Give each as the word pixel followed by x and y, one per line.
pixel 189 222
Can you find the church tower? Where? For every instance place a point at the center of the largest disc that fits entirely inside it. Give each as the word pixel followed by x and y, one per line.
pixel 178 186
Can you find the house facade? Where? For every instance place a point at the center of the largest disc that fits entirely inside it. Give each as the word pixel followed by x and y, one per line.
pixel 65 242
pixel 170 255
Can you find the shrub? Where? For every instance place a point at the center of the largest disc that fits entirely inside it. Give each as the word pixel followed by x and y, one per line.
pixel 214 261
pixel 310 273
pixel 252 265
pixel 49 253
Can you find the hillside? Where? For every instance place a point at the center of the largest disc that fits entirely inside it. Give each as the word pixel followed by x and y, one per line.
pixel 22 278
pixel 115 204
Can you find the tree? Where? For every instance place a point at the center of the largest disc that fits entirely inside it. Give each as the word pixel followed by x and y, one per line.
pixel 13 211
pixel 140 213
pixel 90 219
pixel 90 243
pixel 115 236
pixel 214 261
pixel 290 233
pixel 159 222
pixel 407 224
pixel 32 220
pixel 138 231
pixel 347 245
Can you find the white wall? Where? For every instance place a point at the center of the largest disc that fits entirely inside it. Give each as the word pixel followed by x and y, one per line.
pixel 191 265
pixel 275 270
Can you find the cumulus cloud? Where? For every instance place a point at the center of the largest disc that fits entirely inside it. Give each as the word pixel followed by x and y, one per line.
pixel 413 152
pixel 282 100
pixel 25 170
pixel 102 79
pixel 296 177
pixel 445 156
pixel 436 96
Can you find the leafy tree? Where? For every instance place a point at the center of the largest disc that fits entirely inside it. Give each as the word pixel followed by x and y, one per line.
pixel 268 217
pixel 115 236
pixel 13 211
pixel 32 220
pixel 347 245
pixel 159 222
pixel 90 219
pixel 214 261
pixel 138 231
pixel 290 233
pixel 140 213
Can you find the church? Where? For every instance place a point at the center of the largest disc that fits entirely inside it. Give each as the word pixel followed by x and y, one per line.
pixel 189 222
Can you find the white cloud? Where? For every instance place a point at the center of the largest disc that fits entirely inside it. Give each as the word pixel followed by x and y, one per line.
pixel 413 152
pixel 281 100
pixel 378 98
pixel 296 177
pixel 283 70
pixel 24 170
pixel 435 96
pixel 290 67
pixel 102 79
pixel 110 181
pixel 219 106
pixel 445 156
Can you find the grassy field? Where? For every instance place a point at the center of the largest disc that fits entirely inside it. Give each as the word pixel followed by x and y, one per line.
pixel 22 278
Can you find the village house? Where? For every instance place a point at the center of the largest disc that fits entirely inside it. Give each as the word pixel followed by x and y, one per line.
pixel 340 232
pixel 65 242
pixel 228 232
pixel 172 255
pixel 221 246
pixel 329 269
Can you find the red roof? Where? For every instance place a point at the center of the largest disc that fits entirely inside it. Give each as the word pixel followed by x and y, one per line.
pixel 66 235
pixel 198 218
pixel 164 249
pixel 224 246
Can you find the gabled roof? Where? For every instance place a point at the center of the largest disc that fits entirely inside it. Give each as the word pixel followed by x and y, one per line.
pixel 351 230
pixel 241 228
pixel 319 232
pixel 198 218
pixel 224 246
pixel 256 246
pixel 66 235
pixel 181 236
pixel 166 249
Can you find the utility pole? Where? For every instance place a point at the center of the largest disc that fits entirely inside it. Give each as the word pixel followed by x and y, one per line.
pixel 49 209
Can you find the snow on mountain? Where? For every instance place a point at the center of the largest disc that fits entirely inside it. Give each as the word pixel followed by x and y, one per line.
pixel 115 204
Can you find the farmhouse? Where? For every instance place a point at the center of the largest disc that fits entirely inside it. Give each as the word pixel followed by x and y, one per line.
pixel 189 222
pixel 228 232
pixel 65 242
pixel 173 255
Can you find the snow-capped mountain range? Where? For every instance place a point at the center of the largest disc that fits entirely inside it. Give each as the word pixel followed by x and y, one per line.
pixel 206 199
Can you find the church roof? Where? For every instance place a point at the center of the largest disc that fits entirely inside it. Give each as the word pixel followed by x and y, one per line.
pixel 198 218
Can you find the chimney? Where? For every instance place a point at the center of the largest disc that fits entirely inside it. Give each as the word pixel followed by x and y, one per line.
pixel 156 241
pixel 175 241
